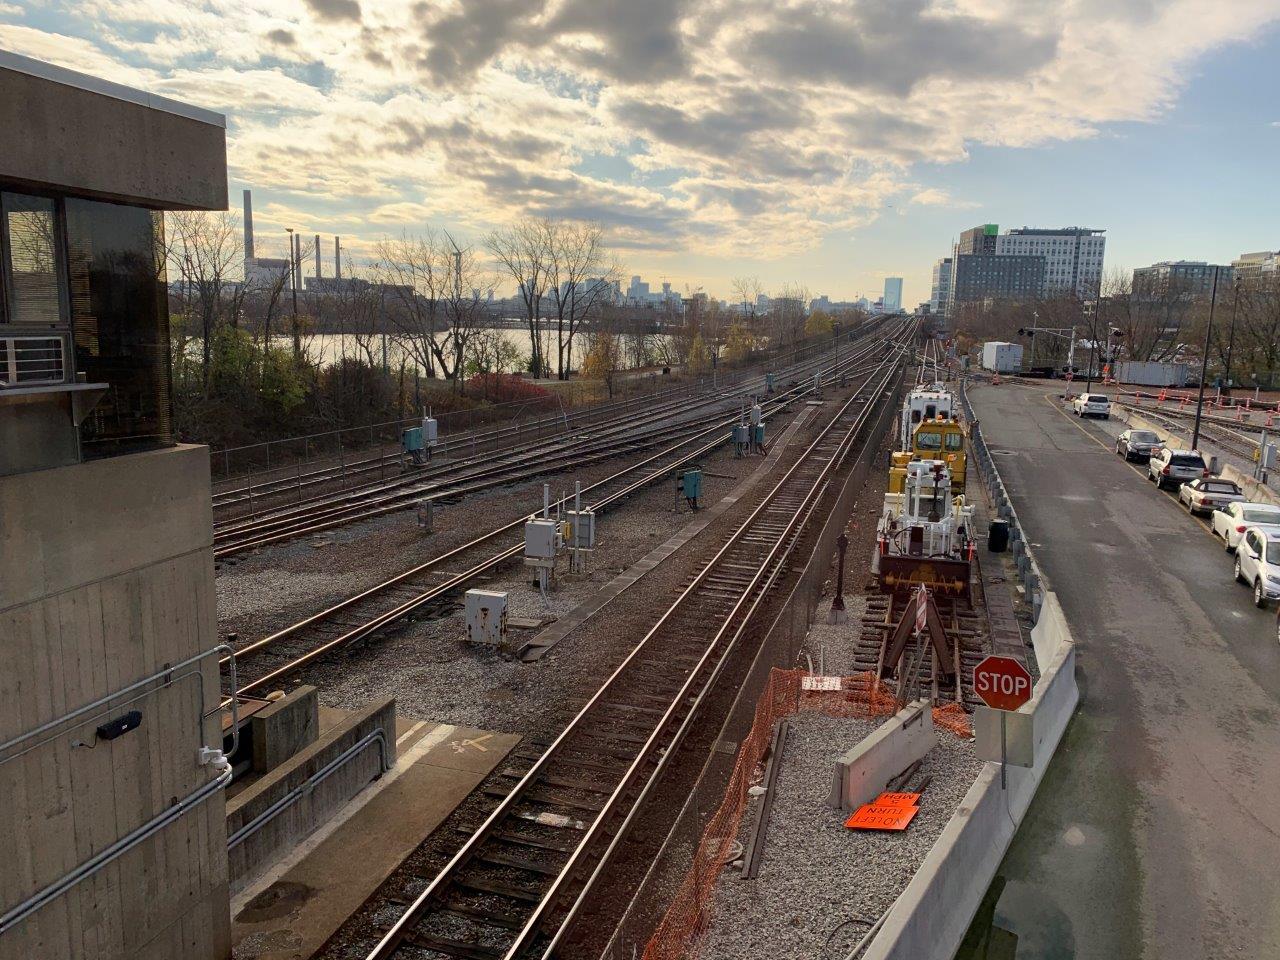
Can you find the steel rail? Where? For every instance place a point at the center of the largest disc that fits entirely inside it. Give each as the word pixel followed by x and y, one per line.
pixel 434 593
pixel 336 510
pixel 402 928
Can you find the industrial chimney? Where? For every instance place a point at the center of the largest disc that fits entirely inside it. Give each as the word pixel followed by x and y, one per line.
pixel 248 226
pixel 317 256
pixel 337 258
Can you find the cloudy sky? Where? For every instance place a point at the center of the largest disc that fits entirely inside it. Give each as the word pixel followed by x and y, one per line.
pixel 811 141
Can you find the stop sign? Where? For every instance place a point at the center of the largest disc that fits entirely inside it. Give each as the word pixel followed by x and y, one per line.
pixel 1002 683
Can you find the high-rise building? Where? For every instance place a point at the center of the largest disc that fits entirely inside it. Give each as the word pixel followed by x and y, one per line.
pixel 1072 257
pixel 976 277
pixel 892 294
pixel 1190 278
pixel 979 240
pixel 940 294
pixel 1257 269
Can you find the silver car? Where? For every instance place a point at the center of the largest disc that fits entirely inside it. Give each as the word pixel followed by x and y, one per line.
pixel 1137 444
pixel 1170 468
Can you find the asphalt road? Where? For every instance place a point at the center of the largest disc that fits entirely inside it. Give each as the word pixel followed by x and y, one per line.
pixel 1156 832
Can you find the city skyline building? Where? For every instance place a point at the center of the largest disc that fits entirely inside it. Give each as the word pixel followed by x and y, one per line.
pixel 1192 278
pixel 1073 257
pixel 940 293
pixel 892 298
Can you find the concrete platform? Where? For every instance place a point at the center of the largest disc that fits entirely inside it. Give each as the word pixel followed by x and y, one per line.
pixel 292 910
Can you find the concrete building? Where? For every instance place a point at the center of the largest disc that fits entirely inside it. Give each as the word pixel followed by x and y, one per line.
pixel 978 277
pixel 1073 257
pixel 1190 278
pixel 940 293
pixel 1257 269
pixel 980 240
pixel 892 294
pixel 113 822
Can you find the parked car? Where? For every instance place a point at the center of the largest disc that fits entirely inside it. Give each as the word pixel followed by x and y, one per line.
pixel 1137 444
pixel 1258 563
pixel 1231 521
pixel 1208 494
pixel 1092 405
pixel 1168 468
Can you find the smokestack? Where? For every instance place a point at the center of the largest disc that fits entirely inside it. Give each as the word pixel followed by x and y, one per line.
pixel 248 225
pixel 337 258
pixel 317 256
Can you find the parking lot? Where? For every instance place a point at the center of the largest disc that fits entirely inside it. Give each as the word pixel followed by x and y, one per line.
pixel 1154 826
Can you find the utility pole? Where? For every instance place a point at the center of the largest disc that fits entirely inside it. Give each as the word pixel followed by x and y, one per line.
pixel 1231 337
pixel 1204 363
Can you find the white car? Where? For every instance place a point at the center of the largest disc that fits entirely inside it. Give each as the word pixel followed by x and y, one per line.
pixel 1258 563
pixel 1092 405
pixel 1207 494
pixel 1231 521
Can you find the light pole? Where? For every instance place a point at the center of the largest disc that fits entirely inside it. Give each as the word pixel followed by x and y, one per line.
pixel 294 256
pixel 835 342
pixel 1204 363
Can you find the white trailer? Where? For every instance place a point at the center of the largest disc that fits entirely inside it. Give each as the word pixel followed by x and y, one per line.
pixel 1001 357
pixel 1150 373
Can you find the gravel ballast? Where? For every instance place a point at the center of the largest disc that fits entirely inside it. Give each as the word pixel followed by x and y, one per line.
pixel 820 885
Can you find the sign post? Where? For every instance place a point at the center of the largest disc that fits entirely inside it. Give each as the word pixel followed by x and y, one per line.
pixel 1003 684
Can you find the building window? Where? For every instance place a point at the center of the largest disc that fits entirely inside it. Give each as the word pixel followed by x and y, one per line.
pixel 31 272
pixel 120 323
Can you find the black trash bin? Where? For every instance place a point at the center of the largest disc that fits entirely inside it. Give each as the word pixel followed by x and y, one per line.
pixel 998 536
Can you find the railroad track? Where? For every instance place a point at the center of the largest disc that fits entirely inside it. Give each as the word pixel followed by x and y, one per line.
pixel 1221 431
pixel 293 486
pixel 433 583
pixel 525 873
pixel 453 480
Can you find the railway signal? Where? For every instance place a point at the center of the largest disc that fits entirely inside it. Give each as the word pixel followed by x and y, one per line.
pixel 1003 684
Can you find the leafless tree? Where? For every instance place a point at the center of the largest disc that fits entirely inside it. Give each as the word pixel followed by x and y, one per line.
pixel 580 280
pixel 201 251
pixel 521 253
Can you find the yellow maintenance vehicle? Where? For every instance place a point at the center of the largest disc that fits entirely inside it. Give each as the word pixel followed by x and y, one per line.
pixel 928 429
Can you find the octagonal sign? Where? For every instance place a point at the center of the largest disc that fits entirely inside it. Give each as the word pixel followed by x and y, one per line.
pixel 1002 683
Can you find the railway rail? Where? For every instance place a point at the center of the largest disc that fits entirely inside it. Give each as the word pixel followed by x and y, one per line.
pixel 293 486
pixel 526 872
pixel 431 583
pixel 1219 430
pixel 451 480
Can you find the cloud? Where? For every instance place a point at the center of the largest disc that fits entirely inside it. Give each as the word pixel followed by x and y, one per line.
pixel 335 9
pixel 748 128
pixel 934 197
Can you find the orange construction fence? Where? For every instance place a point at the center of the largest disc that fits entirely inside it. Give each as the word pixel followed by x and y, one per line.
pixel 860 695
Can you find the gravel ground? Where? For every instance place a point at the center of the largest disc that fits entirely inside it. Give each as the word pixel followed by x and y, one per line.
pixel 821 885
pixel 278 585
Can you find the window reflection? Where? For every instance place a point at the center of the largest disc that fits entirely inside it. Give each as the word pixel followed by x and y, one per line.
pixel 31 259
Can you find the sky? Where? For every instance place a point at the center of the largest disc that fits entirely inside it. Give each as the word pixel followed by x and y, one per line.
pixel 824 143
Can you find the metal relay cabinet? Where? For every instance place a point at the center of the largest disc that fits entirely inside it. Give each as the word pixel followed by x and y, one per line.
pixel 486 617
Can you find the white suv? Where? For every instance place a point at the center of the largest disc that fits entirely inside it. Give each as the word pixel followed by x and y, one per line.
pixel 1092 405
pixel 1258 563
pixel 1171 468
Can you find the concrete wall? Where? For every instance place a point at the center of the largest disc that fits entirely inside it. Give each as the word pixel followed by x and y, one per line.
pixel 863 773
pixel 106 576
pixel 63 137
pixel 930 918
pixel 295 822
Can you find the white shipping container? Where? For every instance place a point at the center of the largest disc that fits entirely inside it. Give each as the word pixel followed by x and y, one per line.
pixel 1151 373
pixel 1002 357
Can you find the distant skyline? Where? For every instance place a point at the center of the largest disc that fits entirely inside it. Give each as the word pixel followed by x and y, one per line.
pixel 829 145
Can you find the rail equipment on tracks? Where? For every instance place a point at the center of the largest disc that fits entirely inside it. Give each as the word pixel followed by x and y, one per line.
pixel 527 871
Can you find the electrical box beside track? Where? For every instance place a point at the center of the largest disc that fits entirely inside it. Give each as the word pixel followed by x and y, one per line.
pixel 486 617
pixel 430 432
pixel 580 529
pixel 541 542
